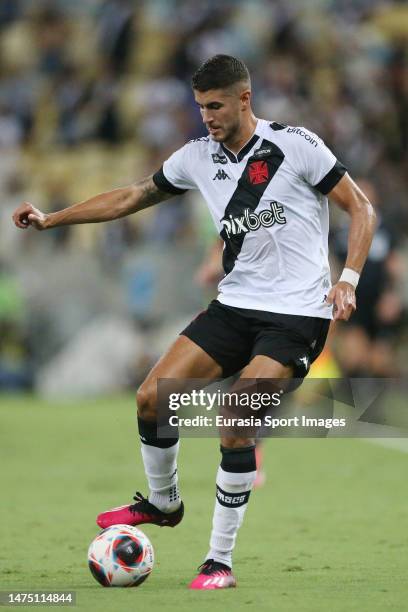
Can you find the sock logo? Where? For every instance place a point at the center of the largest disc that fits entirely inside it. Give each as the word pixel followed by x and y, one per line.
pixel 232 500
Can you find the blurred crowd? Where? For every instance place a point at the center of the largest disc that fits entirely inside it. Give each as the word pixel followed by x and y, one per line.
pixel 96 94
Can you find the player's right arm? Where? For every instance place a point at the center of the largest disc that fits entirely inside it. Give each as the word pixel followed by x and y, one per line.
pixel 103 207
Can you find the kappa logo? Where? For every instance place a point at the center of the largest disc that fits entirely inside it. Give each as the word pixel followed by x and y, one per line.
pixel 258 172
pixel 219 159
pixel 221 176
pixel 251 221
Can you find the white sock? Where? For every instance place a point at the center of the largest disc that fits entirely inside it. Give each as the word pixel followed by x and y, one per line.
pixel 161 471
pixel 233 491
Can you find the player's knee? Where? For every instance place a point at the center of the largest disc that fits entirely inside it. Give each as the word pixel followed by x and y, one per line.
pixel 146 398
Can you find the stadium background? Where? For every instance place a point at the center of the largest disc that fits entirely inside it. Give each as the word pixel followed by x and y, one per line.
pixel 93 95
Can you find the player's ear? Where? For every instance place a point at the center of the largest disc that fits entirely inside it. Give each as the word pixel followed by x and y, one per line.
pixel 245 99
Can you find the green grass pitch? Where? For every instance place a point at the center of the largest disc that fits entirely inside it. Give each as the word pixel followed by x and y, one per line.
pixel 329 531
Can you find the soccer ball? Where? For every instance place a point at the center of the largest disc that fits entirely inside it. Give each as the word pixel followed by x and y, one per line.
pixel 121 556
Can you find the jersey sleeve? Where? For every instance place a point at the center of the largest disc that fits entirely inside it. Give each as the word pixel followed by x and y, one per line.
pixel 175 175
pixel 316 163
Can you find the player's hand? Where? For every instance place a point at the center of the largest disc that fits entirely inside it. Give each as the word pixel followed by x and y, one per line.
pixel 343 299
pixel 26 214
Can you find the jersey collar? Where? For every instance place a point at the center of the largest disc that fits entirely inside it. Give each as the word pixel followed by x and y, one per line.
pixel 241 154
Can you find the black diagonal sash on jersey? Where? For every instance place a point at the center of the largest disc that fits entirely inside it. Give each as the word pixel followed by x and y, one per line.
pixel 248 195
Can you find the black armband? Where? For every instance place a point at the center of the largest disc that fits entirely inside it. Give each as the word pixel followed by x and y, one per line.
pixel 164 185
pixel 331 179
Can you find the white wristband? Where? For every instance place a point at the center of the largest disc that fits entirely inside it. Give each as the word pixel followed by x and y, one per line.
pixel 350 276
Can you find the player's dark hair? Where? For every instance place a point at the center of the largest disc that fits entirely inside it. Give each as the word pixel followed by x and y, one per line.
pixel 218 72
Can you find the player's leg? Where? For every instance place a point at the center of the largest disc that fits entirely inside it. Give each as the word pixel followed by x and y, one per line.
pixel 260 470
pixel 235 478
pixel 184 359
pixel 283 348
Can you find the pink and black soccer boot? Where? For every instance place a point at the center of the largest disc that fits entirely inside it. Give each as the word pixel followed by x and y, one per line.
pixel 142 511
pixel 213 575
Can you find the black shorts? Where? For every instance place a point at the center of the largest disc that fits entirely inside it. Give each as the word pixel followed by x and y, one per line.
pixel 233 336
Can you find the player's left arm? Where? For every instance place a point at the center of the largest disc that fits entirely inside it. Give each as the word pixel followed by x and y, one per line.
pixel 362 227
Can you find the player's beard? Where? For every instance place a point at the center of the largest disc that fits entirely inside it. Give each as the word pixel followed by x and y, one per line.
pixel 227 135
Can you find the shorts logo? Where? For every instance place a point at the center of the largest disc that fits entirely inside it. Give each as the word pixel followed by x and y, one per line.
pixel 250 221
pixel 258 172
pixel 305 361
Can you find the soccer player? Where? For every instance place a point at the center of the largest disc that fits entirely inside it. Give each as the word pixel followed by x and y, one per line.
pixel 267 188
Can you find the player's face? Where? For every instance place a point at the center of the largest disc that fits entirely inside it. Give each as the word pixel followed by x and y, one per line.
pixel 221 112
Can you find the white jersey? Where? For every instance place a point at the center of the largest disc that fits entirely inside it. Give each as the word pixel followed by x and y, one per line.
pixel 270 207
